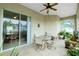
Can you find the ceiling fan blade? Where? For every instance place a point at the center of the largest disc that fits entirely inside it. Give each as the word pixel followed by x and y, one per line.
pixel 54 4
pixel 44 5
pixel 53 9
pixel 43 10
pixel 47 11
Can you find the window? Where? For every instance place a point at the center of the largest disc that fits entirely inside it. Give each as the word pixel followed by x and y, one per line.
pixel 67 25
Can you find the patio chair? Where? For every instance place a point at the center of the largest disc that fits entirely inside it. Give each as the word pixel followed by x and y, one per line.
pixel 49 44
pixel 38 46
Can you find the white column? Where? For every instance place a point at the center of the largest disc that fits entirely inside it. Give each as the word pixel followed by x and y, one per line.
pixel 1 29
pixel 29 35
pixel 77 18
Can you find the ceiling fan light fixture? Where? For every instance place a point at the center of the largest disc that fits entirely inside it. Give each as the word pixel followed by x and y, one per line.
pixel 49 6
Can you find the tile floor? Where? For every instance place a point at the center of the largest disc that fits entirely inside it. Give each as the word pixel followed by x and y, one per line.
pixel 30 51
pixel 59 51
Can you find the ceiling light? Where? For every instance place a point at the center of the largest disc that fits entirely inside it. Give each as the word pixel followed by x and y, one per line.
pixel 14 17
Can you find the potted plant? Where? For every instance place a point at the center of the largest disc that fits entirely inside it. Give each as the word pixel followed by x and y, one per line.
pixel 64 35
pixel 61 34
pixel 74 51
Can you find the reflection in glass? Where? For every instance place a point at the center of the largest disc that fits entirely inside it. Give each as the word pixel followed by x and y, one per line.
pixel 23 28
pixel 14 30
pixel 10 30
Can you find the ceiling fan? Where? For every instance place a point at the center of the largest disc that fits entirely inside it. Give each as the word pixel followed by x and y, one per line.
pixel 49 6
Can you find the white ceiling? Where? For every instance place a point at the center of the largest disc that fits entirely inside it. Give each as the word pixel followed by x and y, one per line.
pixel 63 9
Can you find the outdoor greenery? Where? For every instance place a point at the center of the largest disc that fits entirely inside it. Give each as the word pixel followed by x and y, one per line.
pixel 13 52
pixel 65 35
pixel 73 51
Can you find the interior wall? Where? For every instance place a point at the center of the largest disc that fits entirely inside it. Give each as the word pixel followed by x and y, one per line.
pixel 52 25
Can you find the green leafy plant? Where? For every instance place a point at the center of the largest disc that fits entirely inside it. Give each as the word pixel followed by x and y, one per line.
pixel 76 34
pixel 62 34
pixel 14 52
pixel 68 35
pixel 77 45
pixel 65 34
pixel 73 52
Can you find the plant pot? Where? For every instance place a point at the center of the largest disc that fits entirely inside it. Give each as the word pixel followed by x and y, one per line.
pixel 67 44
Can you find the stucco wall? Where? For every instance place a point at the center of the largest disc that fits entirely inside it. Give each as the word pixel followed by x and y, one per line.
pixel 52 25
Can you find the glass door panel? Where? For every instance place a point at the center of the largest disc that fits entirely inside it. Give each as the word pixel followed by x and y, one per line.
pixel 10 30
pixel 23 29
pixel 14 30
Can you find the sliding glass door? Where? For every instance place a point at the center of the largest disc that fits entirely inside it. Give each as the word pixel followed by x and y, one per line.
pixel 14 29
pixel 10 29
pixel 23 29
